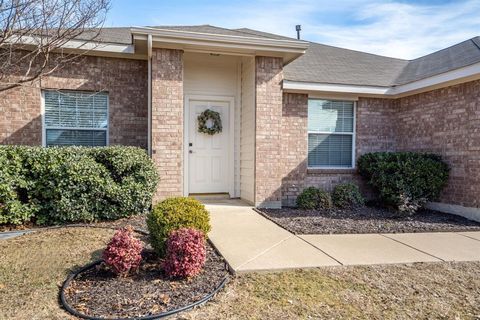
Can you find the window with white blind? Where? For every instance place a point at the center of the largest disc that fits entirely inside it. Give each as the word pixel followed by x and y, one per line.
pixel 75 118
pixel 331 127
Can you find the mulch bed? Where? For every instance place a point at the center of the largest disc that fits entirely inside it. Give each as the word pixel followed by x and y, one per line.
pixel 97 292
pixel 366 220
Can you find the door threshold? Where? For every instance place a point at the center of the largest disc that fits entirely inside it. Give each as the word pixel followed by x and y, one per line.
pixel 210 196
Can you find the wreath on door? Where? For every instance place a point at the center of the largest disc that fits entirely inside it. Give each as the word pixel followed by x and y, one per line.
pixel 203 118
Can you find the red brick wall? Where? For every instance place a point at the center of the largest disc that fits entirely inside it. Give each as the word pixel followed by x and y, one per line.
pixel 167 120
pixel 268 157
pixel 294 146
pixel 446 122
pixel 125 80
pixel 374 133
pixel 375 125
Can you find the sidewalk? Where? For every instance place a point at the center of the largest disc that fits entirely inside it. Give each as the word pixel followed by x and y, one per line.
pixel 250 242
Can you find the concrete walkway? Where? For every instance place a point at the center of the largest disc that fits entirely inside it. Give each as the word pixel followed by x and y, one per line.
pixel 250 242
pixel 12 234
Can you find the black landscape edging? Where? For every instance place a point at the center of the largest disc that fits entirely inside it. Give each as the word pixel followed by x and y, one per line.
pixel 70 309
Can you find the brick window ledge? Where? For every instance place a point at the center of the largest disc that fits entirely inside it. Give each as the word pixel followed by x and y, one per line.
pixel 330 171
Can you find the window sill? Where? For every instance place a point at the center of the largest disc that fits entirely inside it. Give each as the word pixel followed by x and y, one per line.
pixel 331 171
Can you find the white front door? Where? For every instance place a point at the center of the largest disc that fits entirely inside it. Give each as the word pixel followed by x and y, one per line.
pixel 208 155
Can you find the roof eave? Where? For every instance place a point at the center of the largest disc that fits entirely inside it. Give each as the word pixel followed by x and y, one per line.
pixel 461 75
pixel 196 41
pixel 87 47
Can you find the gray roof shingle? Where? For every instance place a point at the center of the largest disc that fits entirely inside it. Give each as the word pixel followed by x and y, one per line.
pixel 327 64
pixel 264 34
pixel 457 56
pixel 120 35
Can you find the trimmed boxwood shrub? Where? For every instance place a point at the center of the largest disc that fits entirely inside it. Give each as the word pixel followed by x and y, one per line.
pixel 74 184
pixel 347 195
pixel 172 214
pixel 314 198
pixel 405 180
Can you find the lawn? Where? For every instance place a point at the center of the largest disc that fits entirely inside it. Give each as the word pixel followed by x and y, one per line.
pixel 33 266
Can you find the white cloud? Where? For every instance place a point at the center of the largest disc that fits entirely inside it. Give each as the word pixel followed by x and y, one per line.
pixel 405 30
pixel 393 28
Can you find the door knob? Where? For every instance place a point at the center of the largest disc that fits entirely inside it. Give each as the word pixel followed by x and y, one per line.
pixel 190 151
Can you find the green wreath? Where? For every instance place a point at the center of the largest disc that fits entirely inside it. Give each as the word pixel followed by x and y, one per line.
pixel 202 122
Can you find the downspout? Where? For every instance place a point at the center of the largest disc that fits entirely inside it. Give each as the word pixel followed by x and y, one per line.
pixel 149 54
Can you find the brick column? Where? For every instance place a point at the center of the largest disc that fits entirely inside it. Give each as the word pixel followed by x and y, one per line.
pixel 167 121
pixel 268 168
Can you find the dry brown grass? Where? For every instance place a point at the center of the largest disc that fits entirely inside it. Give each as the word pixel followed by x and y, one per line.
pixel 33 266
pixel 418 291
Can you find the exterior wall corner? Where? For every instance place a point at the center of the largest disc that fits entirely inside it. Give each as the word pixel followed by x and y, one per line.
pixel 167 121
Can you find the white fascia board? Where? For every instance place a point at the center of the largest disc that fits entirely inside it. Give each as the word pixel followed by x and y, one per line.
pixel 100 46
pixel 82 45
pixel 340 88
pixel 465 73
pixel 453 75
pixel 197 38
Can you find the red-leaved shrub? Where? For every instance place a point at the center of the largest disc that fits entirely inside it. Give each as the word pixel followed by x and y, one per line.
pixel 124 252
pixel 186 253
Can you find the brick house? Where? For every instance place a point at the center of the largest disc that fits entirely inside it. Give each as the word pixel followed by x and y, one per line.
pixel 294 113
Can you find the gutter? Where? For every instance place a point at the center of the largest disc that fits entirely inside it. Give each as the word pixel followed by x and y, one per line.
pixel 149 116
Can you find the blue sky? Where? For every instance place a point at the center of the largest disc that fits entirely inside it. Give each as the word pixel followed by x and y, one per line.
pixel 402 29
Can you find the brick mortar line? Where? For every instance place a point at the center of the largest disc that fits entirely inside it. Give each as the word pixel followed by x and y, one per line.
pixel 407 245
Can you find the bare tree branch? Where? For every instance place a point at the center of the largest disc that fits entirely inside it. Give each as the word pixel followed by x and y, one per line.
pixel 34 32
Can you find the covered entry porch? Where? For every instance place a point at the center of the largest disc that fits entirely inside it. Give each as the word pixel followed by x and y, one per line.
pixel 240 78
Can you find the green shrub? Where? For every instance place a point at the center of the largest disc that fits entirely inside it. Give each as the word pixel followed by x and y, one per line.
pixel 16 207
pixel 172 214
pixel 405 180
pixel 74 184
pixel 314 198
pixel 347 195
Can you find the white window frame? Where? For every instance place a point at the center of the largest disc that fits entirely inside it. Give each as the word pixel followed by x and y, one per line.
pixel 44 126
pixel 353 134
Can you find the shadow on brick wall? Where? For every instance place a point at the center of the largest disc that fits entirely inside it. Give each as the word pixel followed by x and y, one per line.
pixel 20 132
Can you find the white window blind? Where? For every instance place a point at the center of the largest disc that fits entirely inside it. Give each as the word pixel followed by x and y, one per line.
pixel 330 133
pixel 76 118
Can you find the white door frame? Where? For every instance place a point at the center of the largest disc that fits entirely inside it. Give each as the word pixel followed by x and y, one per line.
pixel 231 139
